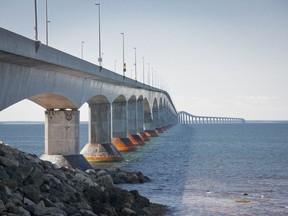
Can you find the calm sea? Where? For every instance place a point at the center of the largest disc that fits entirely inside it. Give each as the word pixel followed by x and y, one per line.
pixel 235 169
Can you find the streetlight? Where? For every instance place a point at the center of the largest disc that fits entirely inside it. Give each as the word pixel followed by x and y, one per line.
pixel 115 61
pixel 47 21
pixel 82 43
pixel 124 64
pixel 102 58
pixel 152 73
pixel 36 25
pixel 148 73
pixel 143 70
pixel 135 65
pixel 99 59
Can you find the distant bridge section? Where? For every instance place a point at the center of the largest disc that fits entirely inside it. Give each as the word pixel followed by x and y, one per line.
pixel 187 118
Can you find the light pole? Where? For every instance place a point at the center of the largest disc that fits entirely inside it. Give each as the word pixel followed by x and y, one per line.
pixel 47 22
pixel 82 43
pixel 152 81
pixel 99 58
pixel 135 65
pixel 124 64
pixel 36 24
pixel 143 70
pixel 102 58
pixel 148 80
pixel 115 61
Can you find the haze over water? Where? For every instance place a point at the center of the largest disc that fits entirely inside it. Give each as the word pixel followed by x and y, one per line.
pixel 233 169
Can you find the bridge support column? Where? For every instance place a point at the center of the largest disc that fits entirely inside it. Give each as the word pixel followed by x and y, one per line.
pixel 133 122
pixel 99 146
pixel 156 118
pixel 120 127
pixel 140 121
pixel 62 139
pixel 149 127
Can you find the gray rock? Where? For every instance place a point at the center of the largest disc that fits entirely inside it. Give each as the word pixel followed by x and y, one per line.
pixel 24 171
pixel 105 180
pixel 5 190
pixel 87 212
pixel 127 211
pixel 3 174
pixel 49 211
pixel 23 212
pixel 82 205
pixel 32 193
pixel 133 179
pixel 48 202
pixel 102 173
pixel 2 206
pixel 11 208
pixel 28 202
pixel 6 162
pixel 16 198
pixel 84 179
pixel 45 188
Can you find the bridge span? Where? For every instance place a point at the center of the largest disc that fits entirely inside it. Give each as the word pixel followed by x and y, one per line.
pixel 122 111
pixel 186 118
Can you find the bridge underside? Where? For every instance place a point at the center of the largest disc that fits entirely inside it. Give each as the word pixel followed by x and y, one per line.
pixel 61 83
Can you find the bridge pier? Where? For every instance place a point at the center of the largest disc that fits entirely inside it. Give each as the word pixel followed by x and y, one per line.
pixel 149 127
pixel 133 122
pixel 120 121
pixel 99 146
pixel 62 139
pixel 140 120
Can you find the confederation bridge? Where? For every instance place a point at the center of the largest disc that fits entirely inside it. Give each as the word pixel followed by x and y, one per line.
pixel 186 118
pixel 123 113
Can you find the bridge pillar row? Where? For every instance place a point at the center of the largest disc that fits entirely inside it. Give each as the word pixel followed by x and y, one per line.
pixel 62 139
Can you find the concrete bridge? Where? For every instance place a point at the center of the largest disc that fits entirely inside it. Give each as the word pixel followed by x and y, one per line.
pixel 186 118
pixel 122 111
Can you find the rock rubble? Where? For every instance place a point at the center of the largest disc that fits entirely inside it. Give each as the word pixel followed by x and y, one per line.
pixel 30 186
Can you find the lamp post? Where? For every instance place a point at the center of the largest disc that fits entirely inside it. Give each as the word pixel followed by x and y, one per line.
pixel 152 73
pixel 36 24
pixel 99 58
pixel 148 80
pixel 82 43
pixel 115 61
pixel 124 64
pixel 143 70
pixel 135 64
pixel 47 22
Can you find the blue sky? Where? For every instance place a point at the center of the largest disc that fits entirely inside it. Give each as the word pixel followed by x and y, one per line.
pixel 218 57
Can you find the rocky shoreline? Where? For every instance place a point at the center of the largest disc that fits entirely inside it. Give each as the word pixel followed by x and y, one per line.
pixel 30 186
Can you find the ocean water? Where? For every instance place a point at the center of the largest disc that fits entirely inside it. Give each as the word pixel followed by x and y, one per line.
pixel 232 169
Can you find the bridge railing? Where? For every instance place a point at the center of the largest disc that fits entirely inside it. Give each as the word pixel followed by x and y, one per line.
pixel 187 118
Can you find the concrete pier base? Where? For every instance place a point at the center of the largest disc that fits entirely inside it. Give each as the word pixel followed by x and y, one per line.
pixel 123 144
pixel 159 130
pixel 101 152
pixel 136 139
pixel 151 133
pixel 71 161
pixel 143 136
